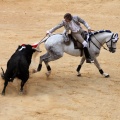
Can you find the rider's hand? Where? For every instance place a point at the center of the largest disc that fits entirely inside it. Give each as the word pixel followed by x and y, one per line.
pixel 48 33
pixel 90 30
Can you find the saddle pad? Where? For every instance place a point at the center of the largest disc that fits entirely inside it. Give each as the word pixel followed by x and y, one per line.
pixel 77 45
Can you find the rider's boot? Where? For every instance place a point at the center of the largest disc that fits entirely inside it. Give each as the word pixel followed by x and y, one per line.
pixel 87 55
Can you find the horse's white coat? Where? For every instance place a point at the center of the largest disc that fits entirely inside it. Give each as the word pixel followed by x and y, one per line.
pixel 57 43
pixel 55 47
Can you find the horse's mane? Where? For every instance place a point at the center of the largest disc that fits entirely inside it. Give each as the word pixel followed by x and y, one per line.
pixel 96 32
pixel 101 31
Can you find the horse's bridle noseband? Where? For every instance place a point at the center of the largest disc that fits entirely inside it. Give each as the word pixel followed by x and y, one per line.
pixel 111 48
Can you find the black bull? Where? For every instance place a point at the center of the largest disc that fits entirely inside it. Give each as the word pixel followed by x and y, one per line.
pixel 18 66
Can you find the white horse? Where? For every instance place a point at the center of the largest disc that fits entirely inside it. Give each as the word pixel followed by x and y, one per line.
pixel 56 46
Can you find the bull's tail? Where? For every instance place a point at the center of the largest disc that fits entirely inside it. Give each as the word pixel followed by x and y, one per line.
pixel 3 73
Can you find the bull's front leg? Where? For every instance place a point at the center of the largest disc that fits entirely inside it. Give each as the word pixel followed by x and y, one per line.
pixel 100 69
pixel 80 65
pixel 5 85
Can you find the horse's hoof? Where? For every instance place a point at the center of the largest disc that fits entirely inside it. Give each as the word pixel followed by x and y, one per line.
pixel 48 73
pixel 107 76
pixel 79 75
pixel 34 71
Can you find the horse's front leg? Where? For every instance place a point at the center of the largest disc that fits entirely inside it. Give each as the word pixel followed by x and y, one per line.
pixel 99 68
pixel 80 65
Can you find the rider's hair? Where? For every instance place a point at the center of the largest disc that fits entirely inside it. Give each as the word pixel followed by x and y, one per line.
pixel 68 16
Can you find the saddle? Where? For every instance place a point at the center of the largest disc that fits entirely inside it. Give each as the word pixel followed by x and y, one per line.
pixel 77 44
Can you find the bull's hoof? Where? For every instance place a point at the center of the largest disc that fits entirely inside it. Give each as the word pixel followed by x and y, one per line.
pixel 21 92
pixel 3 94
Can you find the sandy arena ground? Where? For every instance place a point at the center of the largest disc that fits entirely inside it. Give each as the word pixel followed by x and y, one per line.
pixel 62 96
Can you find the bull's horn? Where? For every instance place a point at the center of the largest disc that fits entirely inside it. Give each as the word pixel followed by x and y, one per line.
pixel 35 45
pixel 36 49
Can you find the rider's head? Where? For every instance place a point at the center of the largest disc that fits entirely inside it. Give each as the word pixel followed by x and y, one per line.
pixel 68 17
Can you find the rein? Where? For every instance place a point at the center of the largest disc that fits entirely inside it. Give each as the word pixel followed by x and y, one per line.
pixel 101 44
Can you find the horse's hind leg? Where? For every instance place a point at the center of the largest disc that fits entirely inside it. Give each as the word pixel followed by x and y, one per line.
pixel 48 69
pixel 42 58
pixel 52 57
pixel 47 58
pixel 80 65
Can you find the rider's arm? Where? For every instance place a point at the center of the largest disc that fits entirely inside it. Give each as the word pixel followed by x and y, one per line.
pixel 56 27
pixel 83 22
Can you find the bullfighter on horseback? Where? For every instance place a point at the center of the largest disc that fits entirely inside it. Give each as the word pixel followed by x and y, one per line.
pixel 72 23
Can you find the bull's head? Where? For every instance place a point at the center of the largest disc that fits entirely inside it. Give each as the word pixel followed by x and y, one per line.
pixel 34 47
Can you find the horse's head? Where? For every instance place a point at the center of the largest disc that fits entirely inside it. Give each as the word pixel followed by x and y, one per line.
pixel 111 43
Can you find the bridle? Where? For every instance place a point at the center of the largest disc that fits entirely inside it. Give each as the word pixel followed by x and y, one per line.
pixel 110 40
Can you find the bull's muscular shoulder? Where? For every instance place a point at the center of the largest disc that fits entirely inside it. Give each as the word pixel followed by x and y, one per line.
pixel 22 54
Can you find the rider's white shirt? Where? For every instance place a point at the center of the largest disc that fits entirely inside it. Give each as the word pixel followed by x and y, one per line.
pixel 73 26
